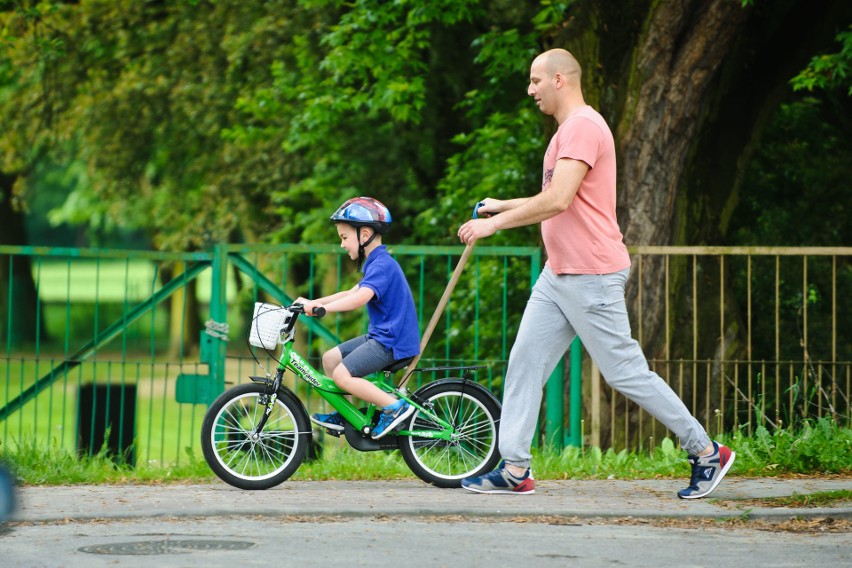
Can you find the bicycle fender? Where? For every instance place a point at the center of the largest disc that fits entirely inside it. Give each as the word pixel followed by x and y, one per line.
pixel 467 384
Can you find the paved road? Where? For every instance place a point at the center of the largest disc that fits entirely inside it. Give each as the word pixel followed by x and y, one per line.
pixel 581 523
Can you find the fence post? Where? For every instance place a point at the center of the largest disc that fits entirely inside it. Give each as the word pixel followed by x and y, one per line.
pixel 575 408
pixel 554 422
pixel 554 418
pixel 219 315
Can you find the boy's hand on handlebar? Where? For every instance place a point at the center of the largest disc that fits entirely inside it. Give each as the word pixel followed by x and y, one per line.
pixel 310 307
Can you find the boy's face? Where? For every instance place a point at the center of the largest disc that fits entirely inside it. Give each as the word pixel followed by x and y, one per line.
pixel 348 239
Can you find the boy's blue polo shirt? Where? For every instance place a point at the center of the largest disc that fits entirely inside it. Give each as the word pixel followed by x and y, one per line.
pixel 393 318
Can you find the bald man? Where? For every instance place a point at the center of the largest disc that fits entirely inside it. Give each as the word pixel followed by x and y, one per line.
pixel 580 291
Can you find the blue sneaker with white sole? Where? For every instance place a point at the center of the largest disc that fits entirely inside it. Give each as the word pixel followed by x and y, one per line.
pixel 708 472
pixel 501 481
pixel 392 416
pixel 333 421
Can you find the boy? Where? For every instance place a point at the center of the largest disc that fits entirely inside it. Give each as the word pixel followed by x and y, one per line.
pixel 392 334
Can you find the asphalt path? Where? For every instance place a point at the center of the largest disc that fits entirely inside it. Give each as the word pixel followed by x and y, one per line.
pixel 395 523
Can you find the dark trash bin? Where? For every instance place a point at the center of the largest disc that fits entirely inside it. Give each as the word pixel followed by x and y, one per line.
pixel 103 408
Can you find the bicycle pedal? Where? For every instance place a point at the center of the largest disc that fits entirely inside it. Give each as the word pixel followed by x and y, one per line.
pixel 335 433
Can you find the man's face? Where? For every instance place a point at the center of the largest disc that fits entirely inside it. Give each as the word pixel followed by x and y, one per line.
pixel 542 87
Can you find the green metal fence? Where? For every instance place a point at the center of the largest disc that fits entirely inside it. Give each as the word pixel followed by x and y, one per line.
pixel 124 349
pixel 747 337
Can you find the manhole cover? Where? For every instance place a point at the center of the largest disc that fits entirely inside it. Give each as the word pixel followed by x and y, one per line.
pixel 149 547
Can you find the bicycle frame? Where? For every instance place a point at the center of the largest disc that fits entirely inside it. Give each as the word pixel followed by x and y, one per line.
pixel 329 391
pixel 255 436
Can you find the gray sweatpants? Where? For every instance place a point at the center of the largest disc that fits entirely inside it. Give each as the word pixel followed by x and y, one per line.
pixel 561 307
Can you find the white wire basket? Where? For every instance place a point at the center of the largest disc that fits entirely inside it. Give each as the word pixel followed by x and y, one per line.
pixel 266 325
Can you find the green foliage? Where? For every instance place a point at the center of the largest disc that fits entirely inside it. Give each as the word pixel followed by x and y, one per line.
pixel 592 463
pixel 495 162
pixel 821 447
pixel 819 499
pixel 141 92
pixel 784 180
pixel 815 447
pixel 828 71
pixel 368 105
pixel 35 464
pixel 795 194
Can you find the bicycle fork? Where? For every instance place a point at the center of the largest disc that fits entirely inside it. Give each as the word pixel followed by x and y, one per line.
pixel 268 399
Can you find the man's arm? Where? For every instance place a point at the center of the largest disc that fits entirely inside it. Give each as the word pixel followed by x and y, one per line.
pixel 494 206
pixel 567 176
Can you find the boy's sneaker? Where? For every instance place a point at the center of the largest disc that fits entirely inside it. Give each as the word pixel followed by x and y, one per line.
pixel 392 416
pixel 501 481
pixel 333 421
pixel 707 472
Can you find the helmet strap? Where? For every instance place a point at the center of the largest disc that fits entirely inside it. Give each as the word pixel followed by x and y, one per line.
pixel 362 246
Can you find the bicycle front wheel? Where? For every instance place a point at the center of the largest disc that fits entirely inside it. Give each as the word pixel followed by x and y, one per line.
pixel 243 457
pixel 474 413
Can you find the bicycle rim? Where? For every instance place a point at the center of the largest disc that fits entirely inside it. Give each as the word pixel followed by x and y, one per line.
pixel 475 445
pixel 248 456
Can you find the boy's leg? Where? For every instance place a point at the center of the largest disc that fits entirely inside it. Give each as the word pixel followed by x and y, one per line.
pixel 362 357
pixel 370 357
pixel 330 360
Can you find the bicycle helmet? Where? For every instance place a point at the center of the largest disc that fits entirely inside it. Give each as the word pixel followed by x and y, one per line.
pixel 364 212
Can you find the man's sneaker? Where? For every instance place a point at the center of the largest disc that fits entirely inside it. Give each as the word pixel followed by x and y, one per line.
pixel 501 481
pixel 333 421
pixel 707 472
pixel 392 416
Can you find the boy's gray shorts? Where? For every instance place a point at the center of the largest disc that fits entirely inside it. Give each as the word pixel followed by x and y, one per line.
pixel 363 356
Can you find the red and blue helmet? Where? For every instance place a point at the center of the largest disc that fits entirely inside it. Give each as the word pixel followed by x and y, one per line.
pixel 364 212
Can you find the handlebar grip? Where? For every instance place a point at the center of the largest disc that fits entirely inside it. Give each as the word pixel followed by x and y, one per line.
pixel 476 208
pixel 319 312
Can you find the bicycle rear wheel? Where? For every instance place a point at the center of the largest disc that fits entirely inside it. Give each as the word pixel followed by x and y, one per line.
pixel 239 455
pixel 474 412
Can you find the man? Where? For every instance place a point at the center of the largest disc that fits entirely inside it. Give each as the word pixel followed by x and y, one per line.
pixel 581 289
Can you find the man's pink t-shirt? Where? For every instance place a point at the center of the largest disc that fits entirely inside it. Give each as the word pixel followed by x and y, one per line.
pixel 585 238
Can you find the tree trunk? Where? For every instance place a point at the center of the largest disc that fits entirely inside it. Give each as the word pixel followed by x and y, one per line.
pixel 17 288
pixel 676 74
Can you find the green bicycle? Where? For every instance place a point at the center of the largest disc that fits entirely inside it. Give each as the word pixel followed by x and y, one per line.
pixel 256 435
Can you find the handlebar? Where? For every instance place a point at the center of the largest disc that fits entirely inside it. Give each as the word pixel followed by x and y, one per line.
pixel 476 209
pixel 319 312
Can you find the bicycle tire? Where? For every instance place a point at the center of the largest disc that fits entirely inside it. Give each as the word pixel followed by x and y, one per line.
pixel 474 412
pixel 269 459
